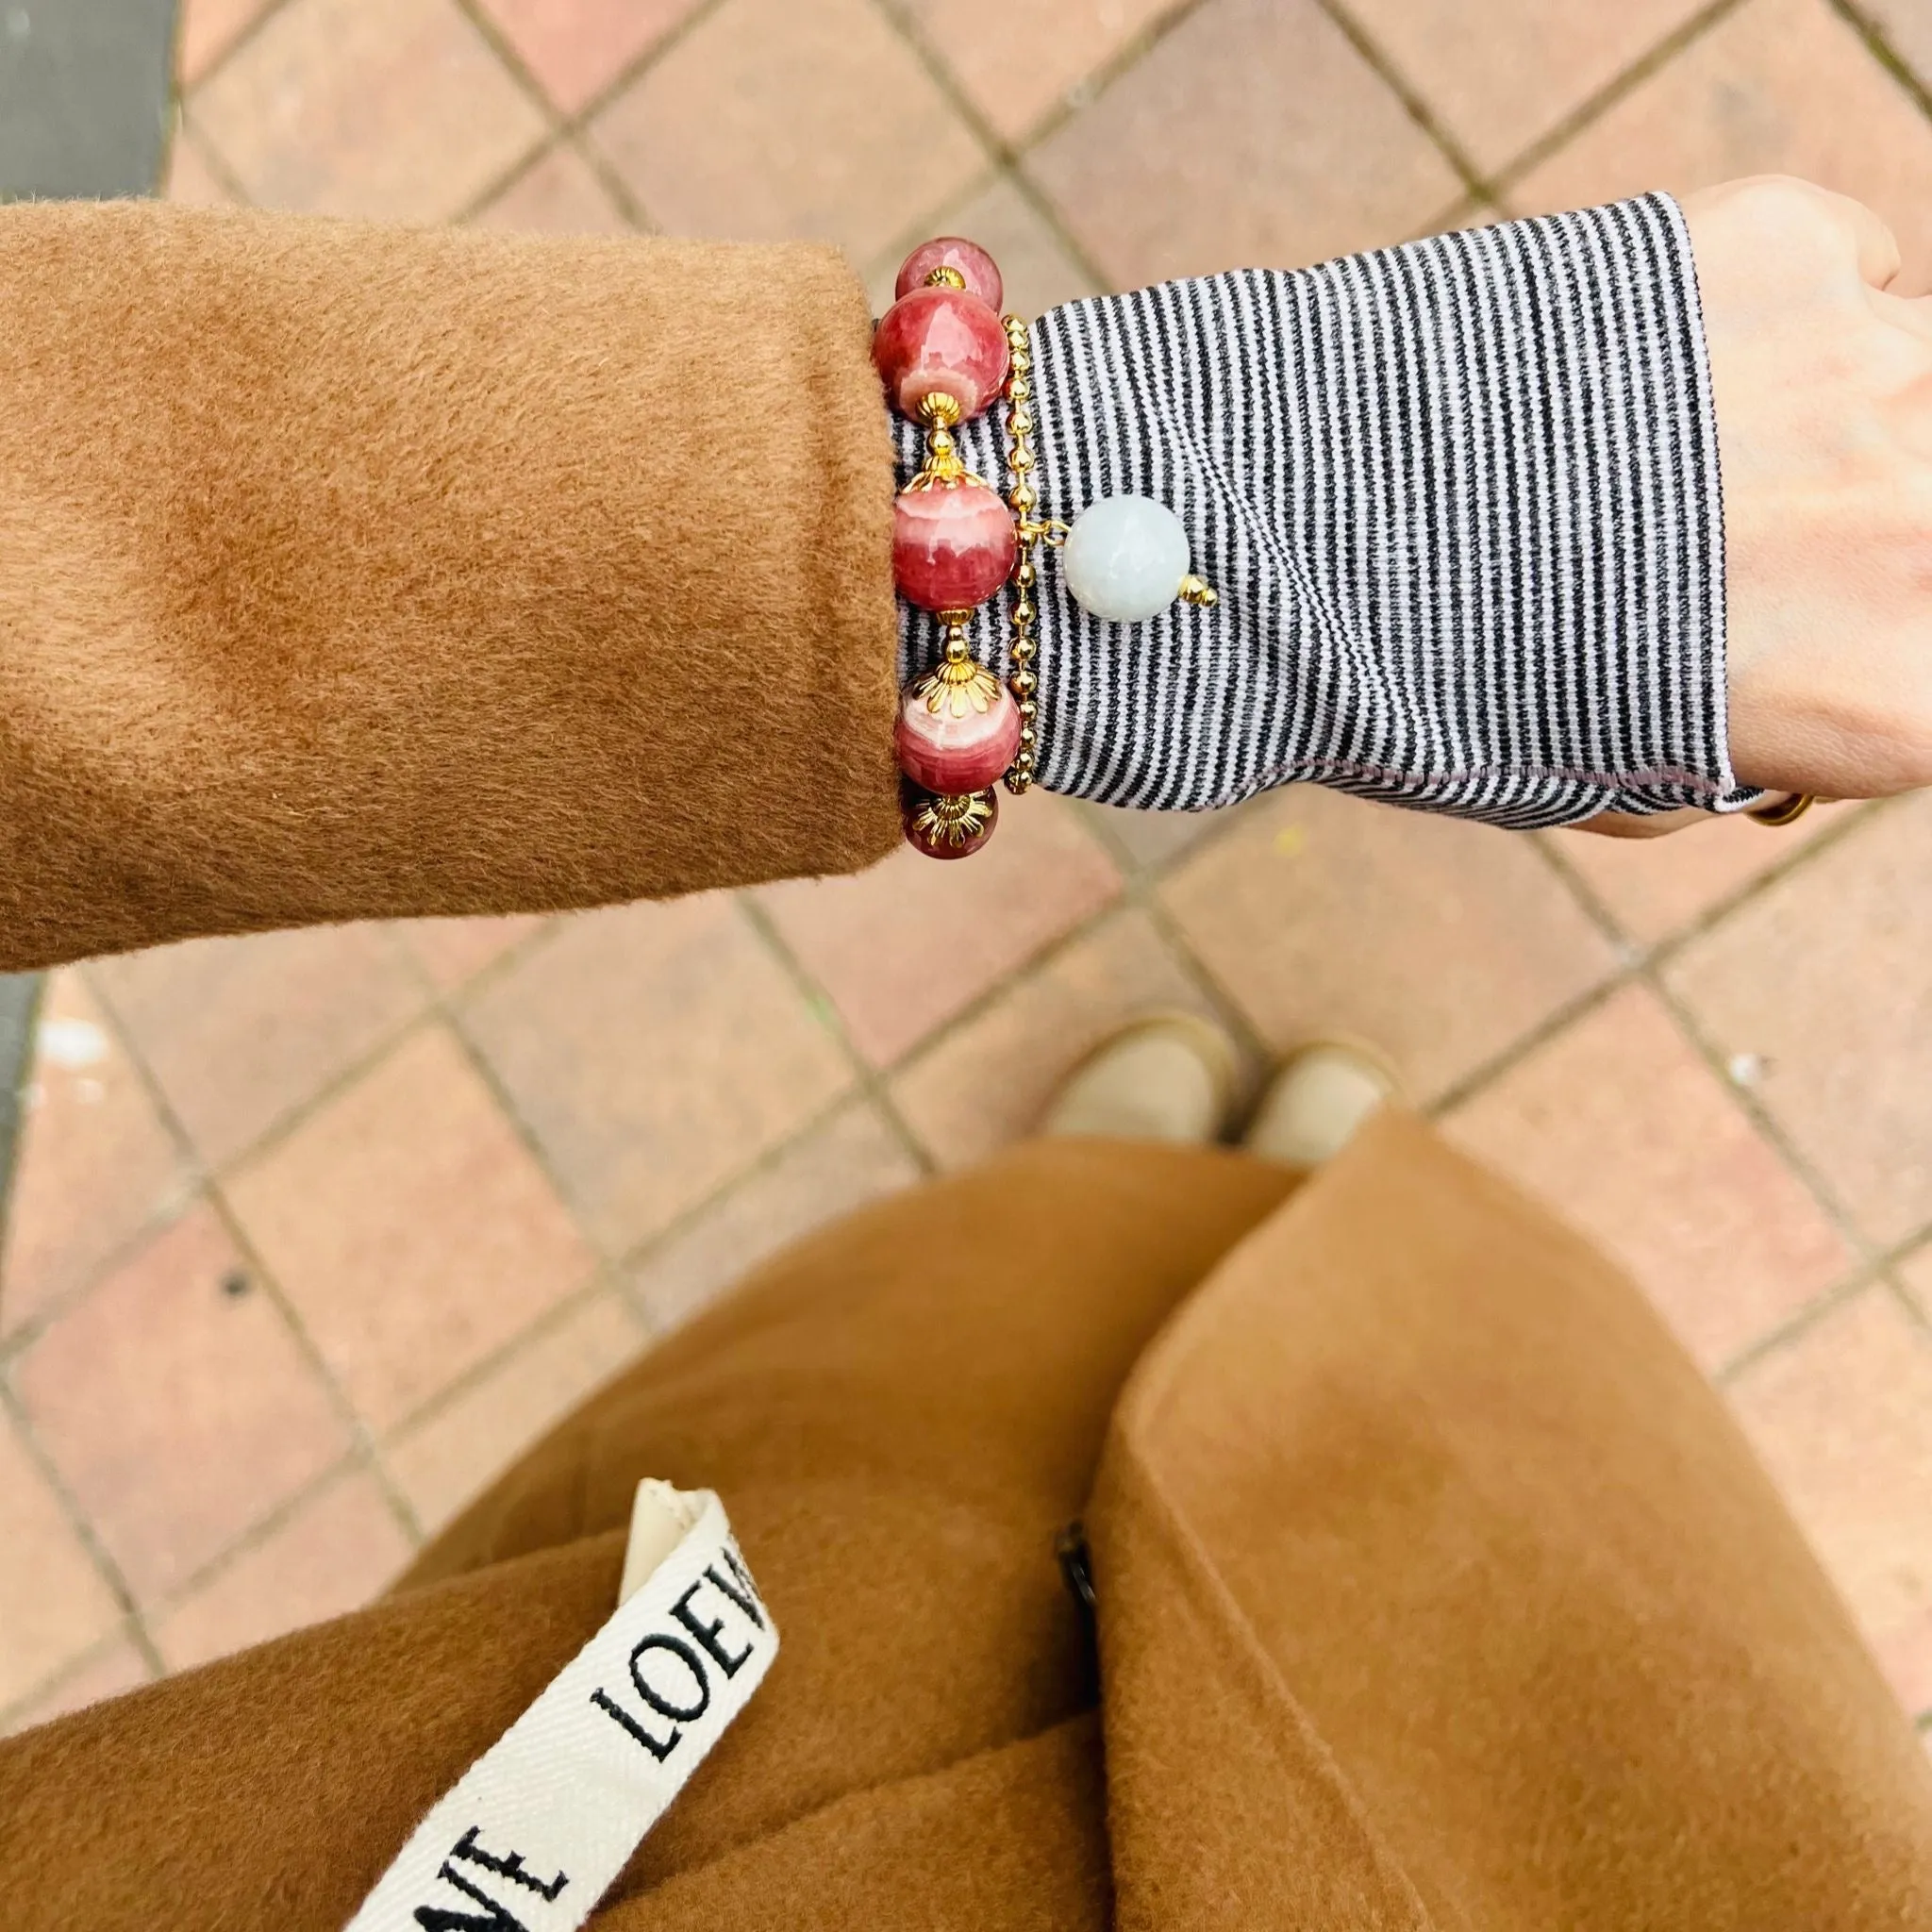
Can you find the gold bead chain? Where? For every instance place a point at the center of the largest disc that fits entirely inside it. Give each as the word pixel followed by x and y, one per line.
pixel 1024 682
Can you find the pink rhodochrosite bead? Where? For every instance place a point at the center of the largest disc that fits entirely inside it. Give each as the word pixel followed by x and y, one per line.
pixel 957 738
pixel 953 545
pixel 977 269
pixel 950 825
pixel 939 341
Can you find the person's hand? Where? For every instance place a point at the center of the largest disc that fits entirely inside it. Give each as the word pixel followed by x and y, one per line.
pixel 1823 383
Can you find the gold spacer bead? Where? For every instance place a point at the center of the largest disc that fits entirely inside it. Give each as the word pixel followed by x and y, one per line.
pixel 939 410
pixel 945 277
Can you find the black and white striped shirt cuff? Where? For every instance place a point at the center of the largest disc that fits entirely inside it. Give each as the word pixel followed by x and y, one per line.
pixel 1460 501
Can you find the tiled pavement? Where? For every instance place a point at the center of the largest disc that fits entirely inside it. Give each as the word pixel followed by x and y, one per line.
pixel 312 1231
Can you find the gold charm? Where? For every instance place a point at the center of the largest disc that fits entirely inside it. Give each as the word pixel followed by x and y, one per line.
pixel 957 819
pixel 944 467
pixel 1198 592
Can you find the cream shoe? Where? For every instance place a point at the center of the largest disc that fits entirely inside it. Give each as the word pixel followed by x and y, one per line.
pixel 1314 1104
pixel 1171 1077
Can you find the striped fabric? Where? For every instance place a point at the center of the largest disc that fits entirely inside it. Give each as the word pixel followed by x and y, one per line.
pixel 1460 498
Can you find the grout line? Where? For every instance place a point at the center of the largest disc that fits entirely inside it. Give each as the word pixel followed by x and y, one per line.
pixel 109 1572
pixel 249 31
pixel 1861 1282
pixel 1004 155
pixel 1475 185
pixel 1594 106
pixel 1881 50
pixel 225 1558
pixel 871 1080
pixel 124 1632
pixel 572 130
pixel 215 1191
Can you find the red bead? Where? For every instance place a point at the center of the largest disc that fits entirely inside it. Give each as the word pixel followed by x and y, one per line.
pixel 953 545
pixel 947 825
pixel 958 737
pixel 976 267
pixel 939 341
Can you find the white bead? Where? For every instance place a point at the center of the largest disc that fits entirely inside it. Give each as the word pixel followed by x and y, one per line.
pixel 1124 558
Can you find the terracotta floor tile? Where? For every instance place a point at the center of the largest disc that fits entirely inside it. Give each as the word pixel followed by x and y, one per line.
pixel 1779 86
pixel 191 181
pixel 1064 43
pixel 1035 266
pixel 574 49
pixel 1656 887
pixel 207 29
pixel 852 1159
pixel 654 1051
pixel 96 1164
pixel 240 1033
pixel 54 1604
pixel 398 113
pixel 178 1413
pixel 1625 1130
pixel 116 1666
pixel 1826 978
pixel 411 1229
pixel 771 120
pixel 1442 943
pixel 332 1554
pixel 561 195
pixel 453 950
pixel 989 1082
pixel 452 1454
pixel 1253 134
pixel 904 947
pixel 1500 76
pixel 1153 840
pixel 1842 1417
pixel 1906 29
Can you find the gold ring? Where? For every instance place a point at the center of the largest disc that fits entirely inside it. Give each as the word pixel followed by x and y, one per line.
pixel 1784 811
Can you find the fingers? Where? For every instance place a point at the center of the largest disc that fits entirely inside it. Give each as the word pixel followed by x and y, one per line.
pixel 1877 246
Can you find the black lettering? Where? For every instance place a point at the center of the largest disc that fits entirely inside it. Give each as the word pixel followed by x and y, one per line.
pixel 746 1596
pixel 510 1868
pixel 441 1918
pixel 706 1633
pixel 677 1713
pixel 660 1751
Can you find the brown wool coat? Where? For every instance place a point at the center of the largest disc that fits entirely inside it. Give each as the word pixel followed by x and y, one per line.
pixel 1434 1588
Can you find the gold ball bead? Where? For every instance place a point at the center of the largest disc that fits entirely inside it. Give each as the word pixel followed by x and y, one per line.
pixel 1024 496
pixel 1027 573
pixel 1022 459
pixel 1025 611
pixel 1021 422
pixel 1019 389
pixel 1030 711
pixel 1023 683
pixel 1028 739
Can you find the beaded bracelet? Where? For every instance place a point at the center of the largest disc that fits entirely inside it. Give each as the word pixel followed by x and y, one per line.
pixel 946 352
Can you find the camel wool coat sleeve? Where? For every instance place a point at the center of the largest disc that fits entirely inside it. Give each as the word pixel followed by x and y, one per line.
pixel 350 572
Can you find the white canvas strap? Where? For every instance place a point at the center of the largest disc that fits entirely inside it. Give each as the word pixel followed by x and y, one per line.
pixel 535 1830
